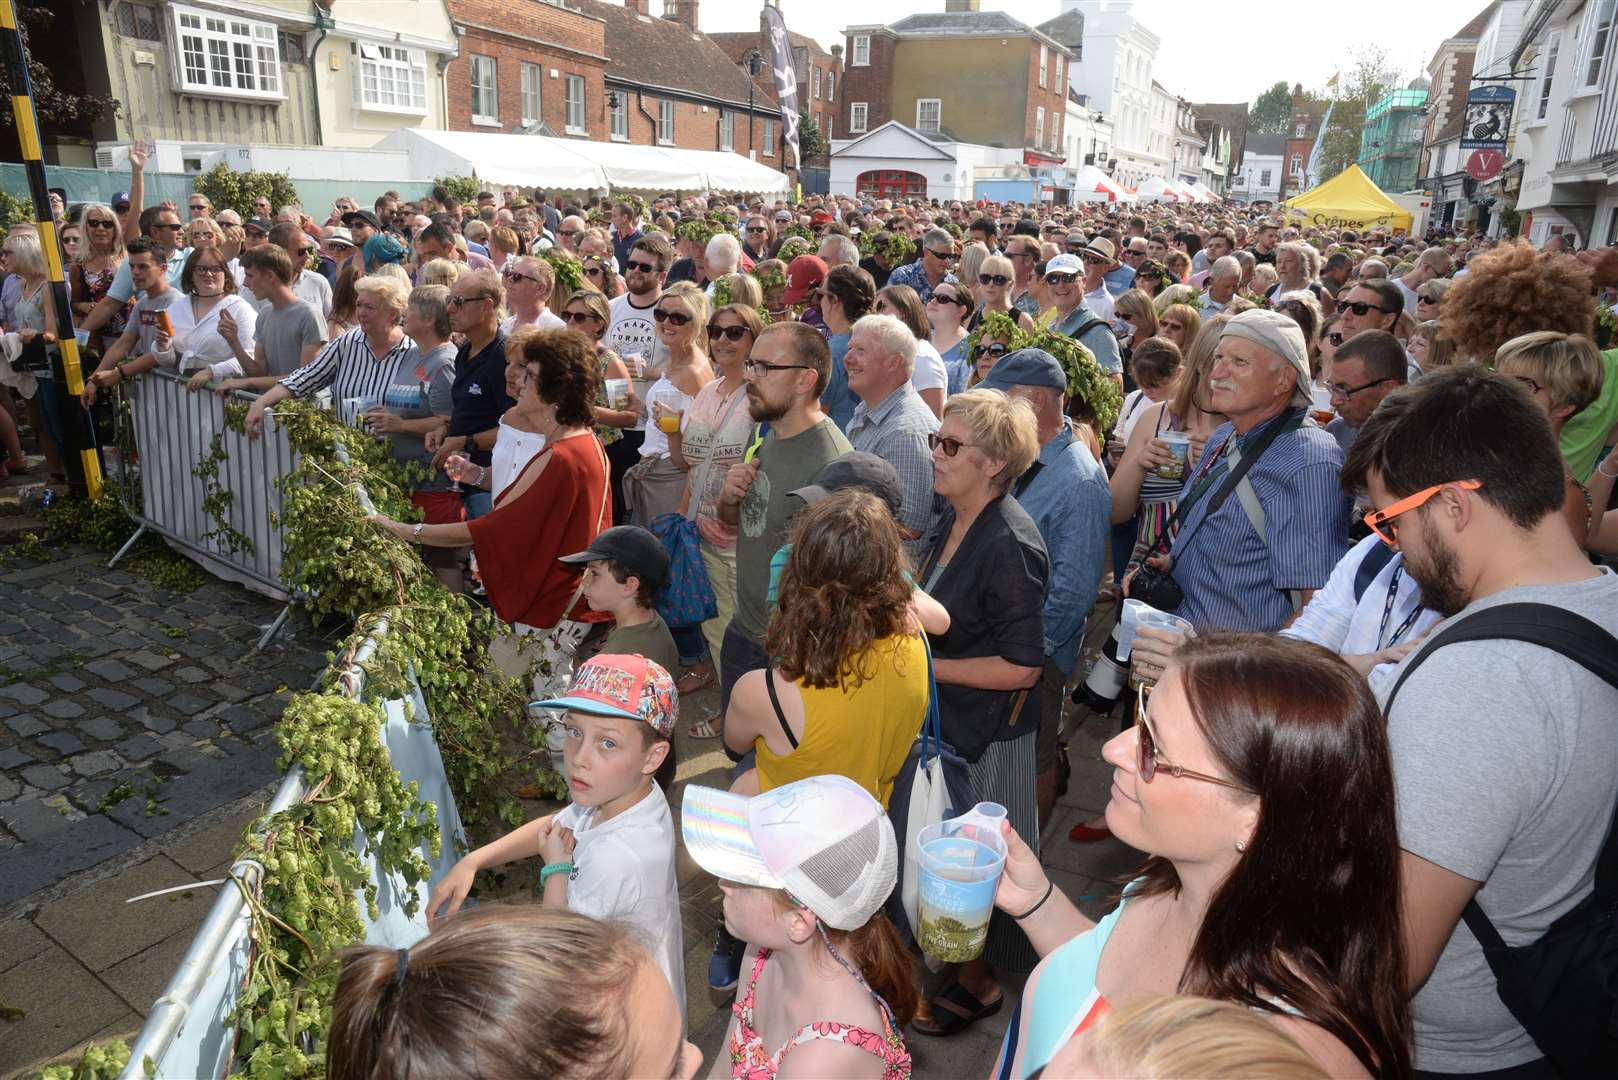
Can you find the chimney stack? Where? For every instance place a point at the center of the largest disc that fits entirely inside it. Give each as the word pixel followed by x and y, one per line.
pixel 953 6
pixel 683 12
pixel 643 8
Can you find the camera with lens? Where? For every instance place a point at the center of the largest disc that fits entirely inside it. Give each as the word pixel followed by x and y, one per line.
pixel 1156 588
pixel 1101 687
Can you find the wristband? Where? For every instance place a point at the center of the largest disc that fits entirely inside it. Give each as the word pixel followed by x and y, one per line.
pixel 553 868
pixel 483 476
pixel 1050 887
pixel 1603 461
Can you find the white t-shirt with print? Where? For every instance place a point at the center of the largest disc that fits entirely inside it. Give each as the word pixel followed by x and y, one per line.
pixel 624 870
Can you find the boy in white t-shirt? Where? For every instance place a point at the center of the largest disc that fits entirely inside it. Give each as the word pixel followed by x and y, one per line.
pixel 610 853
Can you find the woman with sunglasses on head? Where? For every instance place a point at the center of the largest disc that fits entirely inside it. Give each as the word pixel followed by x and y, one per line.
pixel 714 434
pixel 930 378
pixel 1245 746
pixel 654 486
pixel 991 286
pixel 947 311
pixel 987 565
pixel 100 254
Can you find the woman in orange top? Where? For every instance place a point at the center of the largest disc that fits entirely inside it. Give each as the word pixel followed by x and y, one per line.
pixel 555 507
pixel 849 690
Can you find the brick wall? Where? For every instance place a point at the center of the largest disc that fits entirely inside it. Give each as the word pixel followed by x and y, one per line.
pixel 871 84
pixel 1051 97
pixel 553 38
pixel 695 129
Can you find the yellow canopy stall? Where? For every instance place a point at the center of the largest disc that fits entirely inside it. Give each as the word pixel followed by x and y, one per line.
pixel 1348 200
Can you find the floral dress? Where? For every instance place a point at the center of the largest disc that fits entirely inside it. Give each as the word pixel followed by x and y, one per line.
pixel 749 1060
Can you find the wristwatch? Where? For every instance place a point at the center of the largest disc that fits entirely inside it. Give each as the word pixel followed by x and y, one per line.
pixel 415 534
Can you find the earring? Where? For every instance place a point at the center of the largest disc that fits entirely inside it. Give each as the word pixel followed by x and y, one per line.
pixel 1241 845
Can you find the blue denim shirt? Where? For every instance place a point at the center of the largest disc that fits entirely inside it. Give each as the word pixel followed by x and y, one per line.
pixel 1071 504
pixel 837 400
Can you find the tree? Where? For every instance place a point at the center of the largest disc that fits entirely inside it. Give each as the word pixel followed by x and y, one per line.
pixel 1370 77
pixel 1272 110
pixel 56 106
pixel 811 143
pixel 238 190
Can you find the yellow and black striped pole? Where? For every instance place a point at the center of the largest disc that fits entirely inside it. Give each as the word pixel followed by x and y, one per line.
pixel 79 455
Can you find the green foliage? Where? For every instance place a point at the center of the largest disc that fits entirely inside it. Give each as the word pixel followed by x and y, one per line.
pixel 569 271
pixel 894 248
pixel 237 190
pixel 1271 113
pixel 811 142
pixel 464 188
pixel 1093 396
pixel 54 107
pixel 697 230
pixel 1359 87
pixel 14 211
pixel 101 1061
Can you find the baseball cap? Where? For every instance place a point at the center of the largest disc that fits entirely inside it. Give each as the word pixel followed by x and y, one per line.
pixel 261 224
pixel 820 217
pixel 1026 367
pixel 1065 264
pixel 120 201
pixel 364 216
pixel 637 550
pixel 627 686
pixel 783 215
pixel 336 234
pixel 803 274
pixel 856 469
pixel 824 840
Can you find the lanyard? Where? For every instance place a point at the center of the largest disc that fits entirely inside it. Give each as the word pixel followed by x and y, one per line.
pixel 1387 612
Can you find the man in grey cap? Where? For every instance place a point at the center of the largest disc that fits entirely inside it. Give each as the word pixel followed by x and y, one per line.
pixel 1254 560
pixel 1065 491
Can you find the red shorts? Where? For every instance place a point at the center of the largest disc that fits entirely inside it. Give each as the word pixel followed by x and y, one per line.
pixel 440 508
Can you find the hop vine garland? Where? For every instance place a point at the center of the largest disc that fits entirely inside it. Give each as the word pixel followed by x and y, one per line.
pixel 568 269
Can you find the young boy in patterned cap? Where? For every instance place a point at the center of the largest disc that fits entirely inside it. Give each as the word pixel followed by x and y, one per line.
pixel 610 853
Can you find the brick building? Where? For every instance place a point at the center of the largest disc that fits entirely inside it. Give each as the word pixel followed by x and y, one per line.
pixel 968 75
pixel 604 71
pixel 819 74
pixel 1303 124
pixel 526 65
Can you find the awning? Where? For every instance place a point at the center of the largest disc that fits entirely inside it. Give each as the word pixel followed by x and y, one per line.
pixel 579 165
pixel 1091 184
pixel 1158 189
pixel 1348 200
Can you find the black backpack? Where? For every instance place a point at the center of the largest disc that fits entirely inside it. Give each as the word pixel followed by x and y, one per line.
pixel 1563 988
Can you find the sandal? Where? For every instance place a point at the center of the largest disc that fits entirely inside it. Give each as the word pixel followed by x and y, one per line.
pixel 954 1010
pixel 704 729
pixel 693 683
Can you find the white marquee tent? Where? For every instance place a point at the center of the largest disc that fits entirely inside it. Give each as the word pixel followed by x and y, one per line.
pixel 1090 184
pixel 577 165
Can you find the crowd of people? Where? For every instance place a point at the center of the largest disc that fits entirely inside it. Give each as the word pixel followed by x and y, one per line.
pixel 1229 482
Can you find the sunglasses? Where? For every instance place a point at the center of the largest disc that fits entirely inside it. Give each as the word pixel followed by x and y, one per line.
pixel 1131 254
pixel 577 317
pixel 1338 390
pixel 730 333
pixel 100 223
pixel 592 271
pixel 462 301
pixel 946 298
pixel 645 268
pixel 995 349
pixel 1376 519
pixel 207 270
pixel 1360 307
pixel 173 228
pixel 993 279
pixel 1061 279
pixel 950 446
pixel 678 318
pixel 512 275
pixel 1150 760
pixel 567 234
pixel 1420 299
pixel 1093 260
pixel 757 228
pixel 942 256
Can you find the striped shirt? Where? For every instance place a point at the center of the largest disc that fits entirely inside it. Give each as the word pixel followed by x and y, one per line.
pixel 1234 579
pixel 350 368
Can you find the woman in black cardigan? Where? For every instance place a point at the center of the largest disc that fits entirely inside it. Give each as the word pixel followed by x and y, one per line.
pixel 988 567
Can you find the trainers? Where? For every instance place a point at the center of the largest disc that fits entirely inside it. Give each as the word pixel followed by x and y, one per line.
pixel 725 965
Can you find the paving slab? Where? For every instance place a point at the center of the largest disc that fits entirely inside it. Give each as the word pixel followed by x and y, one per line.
pixel 64 1003
pixel 99 929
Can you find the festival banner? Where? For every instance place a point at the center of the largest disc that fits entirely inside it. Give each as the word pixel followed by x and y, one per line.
pixel 786 80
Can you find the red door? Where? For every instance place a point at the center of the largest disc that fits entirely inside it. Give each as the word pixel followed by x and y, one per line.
pixel 891 184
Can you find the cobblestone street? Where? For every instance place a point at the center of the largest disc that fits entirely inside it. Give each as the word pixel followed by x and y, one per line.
pixel 127 710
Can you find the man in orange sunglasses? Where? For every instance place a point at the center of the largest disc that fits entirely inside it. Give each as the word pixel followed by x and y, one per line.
pixel 1504 762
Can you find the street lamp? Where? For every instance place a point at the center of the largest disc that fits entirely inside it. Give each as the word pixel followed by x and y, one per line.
pixel 755 64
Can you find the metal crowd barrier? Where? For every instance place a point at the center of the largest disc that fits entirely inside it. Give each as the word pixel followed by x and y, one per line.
pixel 173 430
pixel 189 1033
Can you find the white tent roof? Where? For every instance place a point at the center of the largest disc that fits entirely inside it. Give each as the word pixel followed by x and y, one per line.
pixel 1156 188
pixel 1203 192
pixel 578 165
pixel 1089 179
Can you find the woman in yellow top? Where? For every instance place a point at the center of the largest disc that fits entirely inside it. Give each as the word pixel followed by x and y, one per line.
pixel 848 691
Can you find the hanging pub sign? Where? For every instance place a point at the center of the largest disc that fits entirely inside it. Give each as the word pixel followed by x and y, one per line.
pixel 1488 117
